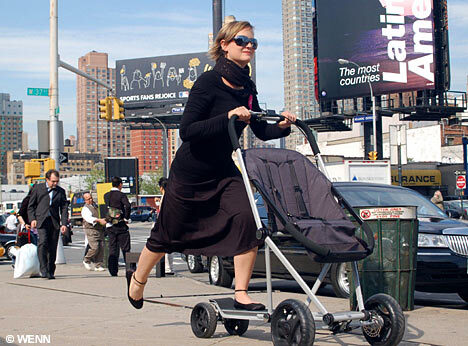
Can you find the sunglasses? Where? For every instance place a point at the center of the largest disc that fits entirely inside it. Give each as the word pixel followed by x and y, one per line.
pixel 243 41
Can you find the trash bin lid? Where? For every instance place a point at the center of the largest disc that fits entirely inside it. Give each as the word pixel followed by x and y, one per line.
pixel 387 212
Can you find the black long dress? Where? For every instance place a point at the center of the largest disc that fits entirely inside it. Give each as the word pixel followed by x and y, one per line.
pixel 205 209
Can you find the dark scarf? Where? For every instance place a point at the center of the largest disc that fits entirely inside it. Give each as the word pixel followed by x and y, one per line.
pixel 236 75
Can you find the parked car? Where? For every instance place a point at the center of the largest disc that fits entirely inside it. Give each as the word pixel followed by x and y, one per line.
pixel 196 264
pixel 2 224
pixel 455 210
pixel 141 213
pixel 442 245
pixel 7 241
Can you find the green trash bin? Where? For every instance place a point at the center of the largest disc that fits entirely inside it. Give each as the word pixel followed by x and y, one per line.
pixel 391 268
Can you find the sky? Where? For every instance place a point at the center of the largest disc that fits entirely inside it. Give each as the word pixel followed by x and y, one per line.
pixel 145 28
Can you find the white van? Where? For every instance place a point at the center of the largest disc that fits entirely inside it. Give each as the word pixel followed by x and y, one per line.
pixel 8 206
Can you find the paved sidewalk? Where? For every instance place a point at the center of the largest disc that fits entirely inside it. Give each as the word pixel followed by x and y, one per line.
pixel 91 308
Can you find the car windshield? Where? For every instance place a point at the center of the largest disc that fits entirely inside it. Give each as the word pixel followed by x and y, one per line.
pixel 374 196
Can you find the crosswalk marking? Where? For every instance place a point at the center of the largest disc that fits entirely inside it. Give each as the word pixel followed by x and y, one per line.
pixel 78 244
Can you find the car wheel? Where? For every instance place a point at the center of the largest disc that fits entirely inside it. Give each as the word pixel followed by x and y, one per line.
pixel 8 249
pixel 217 274
pixel 194 264
pixel 339 280
pixel 463 294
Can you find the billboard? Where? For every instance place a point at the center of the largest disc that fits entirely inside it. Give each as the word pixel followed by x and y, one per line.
pixel 152 82
pixel 127 169
pixel 391 43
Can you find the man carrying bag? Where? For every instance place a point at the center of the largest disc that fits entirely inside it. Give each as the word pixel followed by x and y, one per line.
pixel 48 212
pixel 118 213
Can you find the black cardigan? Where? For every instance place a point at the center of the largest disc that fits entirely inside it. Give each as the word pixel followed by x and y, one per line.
pixel 205 153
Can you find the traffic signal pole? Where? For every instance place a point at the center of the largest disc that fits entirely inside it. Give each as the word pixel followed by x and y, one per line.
pixel 85 75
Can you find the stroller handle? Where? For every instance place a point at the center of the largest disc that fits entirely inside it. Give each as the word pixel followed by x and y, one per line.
pixel 272 116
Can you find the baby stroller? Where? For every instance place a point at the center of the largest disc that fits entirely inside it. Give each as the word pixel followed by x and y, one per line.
pixel 302 202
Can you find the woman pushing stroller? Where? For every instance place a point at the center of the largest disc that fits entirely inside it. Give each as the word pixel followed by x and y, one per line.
pixel 206 209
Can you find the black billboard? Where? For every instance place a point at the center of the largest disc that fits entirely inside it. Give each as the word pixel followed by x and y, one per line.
pixel 151 82
pixel 392 42
pixel 127 169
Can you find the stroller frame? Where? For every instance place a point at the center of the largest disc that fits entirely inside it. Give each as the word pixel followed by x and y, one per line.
pixel 336 322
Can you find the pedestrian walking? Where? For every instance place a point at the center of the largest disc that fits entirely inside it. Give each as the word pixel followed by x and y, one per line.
pixel 117 230
pixel 438 200
pixel 94 231
pixel 11 222
pixel 206 209
pixel 48 212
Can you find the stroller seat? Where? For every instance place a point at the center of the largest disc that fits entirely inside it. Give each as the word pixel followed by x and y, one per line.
pixel 297 194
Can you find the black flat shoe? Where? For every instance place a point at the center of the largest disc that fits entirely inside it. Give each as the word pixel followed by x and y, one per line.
pixel 137 304
pixel 248 307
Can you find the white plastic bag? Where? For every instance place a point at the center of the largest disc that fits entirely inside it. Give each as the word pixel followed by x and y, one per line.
pixel 27 262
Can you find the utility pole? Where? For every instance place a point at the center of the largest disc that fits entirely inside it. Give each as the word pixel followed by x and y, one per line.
pixel 217 17
pixel 54 129
pixel 165 163
pixel 55 63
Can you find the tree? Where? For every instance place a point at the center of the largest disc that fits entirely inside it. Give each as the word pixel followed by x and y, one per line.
pixel 96 175
pixel 149 182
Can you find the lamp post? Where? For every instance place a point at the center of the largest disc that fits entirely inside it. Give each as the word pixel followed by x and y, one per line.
pixel 374 120
pixel 165 151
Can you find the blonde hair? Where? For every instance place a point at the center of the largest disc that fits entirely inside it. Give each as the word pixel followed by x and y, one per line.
pixel 228 32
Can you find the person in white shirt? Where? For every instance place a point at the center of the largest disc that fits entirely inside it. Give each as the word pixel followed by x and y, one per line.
pixel 93 228
pixel 11 222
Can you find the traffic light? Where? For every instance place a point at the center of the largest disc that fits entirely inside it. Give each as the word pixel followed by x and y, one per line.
pixel 372 155
pixel 32 169
pixel 119 111
pixel 105 109
pixel 48 164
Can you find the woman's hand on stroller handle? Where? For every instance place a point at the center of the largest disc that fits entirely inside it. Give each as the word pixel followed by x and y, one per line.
pixel 289 118
pixel 241 113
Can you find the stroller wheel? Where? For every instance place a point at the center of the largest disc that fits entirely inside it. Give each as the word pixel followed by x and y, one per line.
pixel 292 324
pixel 203 320
pixel 388 320
pixel 236 327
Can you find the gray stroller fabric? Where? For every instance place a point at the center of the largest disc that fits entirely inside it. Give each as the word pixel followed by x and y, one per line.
pixel 304 196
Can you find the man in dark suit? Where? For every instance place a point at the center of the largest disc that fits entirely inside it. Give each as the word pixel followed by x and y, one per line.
pixel 48 212
pixel 117 229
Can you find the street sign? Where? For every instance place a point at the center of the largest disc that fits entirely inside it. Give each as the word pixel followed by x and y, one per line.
pixel 460 172
pixel 63 158
pixel 461 182
pixel 363 118
pixel 38 92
